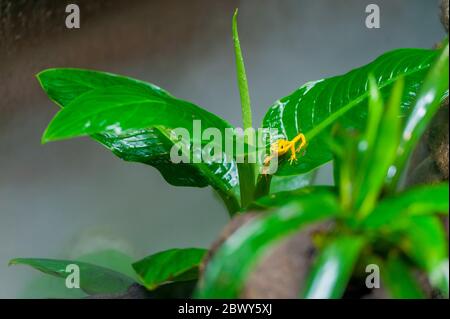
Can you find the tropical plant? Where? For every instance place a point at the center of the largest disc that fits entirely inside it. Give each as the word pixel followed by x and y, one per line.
pixel 345 120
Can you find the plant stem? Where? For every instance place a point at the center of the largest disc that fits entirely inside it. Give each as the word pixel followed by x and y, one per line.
pixel 231 203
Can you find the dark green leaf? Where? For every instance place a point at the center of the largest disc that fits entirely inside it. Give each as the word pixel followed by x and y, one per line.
pixel 174 290
pixel 427 103
pixel 103 100
pixel 333 268
pixel 399 280
pixel 421 200
pixel 227 272
pixel 169 266
pixel 314 107
pixel 93 279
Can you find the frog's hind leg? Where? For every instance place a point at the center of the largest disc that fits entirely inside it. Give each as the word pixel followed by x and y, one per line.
pixel 293 156
pixel 302 138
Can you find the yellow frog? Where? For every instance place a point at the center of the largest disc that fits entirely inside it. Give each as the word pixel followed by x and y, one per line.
pixel 282 146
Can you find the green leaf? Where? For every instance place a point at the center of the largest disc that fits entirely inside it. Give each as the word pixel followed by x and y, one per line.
pixel 241 77
pixel 315 106
pixel 382 146
pixel 93 279
pixel 420 200
pixel 102 100
pixel 246 169
pixel 426 243
pixel 280 199
pixel 174 290
pixel 275 184
pixel 427 104
pixel 333 268
pixel 111 259
pixel 290 183
pixel 169 266
pixel 346 173
pixel 228 270
pixel 439 277
pixel 398 279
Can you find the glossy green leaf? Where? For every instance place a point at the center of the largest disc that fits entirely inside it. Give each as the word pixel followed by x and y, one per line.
pixel 420 200
pixel 427 104
pixel 227 272
pixel 169 266
pixel 93 279
pixel 316 106
pixel 333 268
pixel 102 106
pixel 280 199
pixel 274 184
pixel 290 183
pixel 398 279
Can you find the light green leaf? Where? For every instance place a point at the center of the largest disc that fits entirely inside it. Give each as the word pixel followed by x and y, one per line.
pixel 427 104
pixel 246 169
pixel 333 268
pixel 382 146
pixel 420 200
pixel 169 266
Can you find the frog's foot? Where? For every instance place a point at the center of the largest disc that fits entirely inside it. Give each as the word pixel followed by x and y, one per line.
pixel 292 159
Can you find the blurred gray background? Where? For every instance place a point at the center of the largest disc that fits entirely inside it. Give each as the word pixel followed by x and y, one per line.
pixel 74 198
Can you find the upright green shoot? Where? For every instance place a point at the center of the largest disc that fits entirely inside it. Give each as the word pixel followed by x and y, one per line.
pixel 241 77
pixel 246 170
